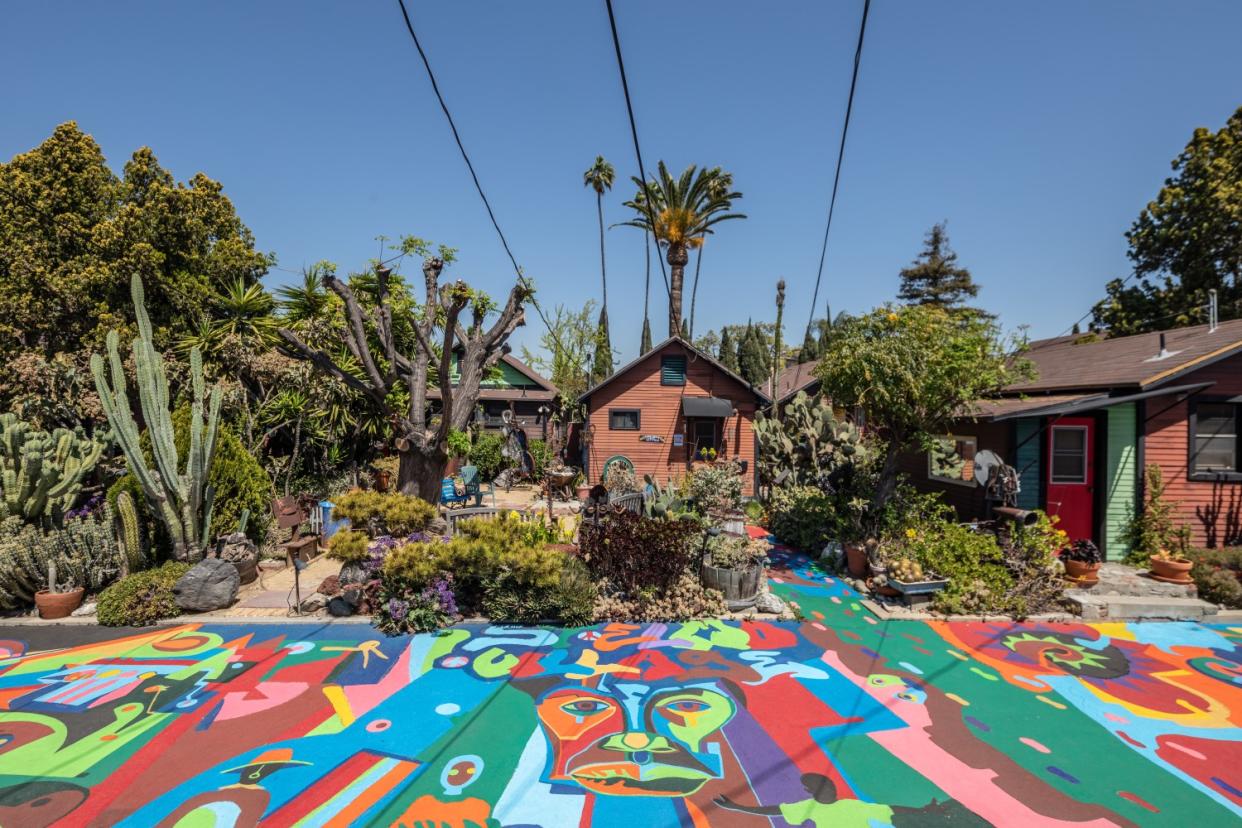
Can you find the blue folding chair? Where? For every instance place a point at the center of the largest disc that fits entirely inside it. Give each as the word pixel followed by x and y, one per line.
pixel 448 494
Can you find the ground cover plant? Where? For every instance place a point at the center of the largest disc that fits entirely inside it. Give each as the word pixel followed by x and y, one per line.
pixel 1218 575
pixel 142 598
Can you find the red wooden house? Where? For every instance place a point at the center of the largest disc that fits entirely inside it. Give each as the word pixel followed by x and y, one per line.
pixel 664 409
pixel 1081 433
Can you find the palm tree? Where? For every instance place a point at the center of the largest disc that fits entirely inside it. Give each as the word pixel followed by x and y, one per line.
pixel 600 177
pixel 722 183
pixel 680 213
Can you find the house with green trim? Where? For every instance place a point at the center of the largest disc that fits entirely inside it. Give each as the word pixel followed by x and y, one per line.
pixel 510 390
pixel 1098 412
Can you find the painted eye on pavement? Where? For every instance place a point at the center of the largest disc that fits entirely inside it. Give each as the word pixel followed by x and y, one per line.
pixel 584 707
pixel 686 706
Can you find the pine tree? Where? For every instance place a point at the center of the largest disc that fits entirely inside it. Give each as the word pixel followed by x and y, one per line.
pixel 645 346
pixel 934 278
pixel 810 347
pixel 728 350
pixel 685 329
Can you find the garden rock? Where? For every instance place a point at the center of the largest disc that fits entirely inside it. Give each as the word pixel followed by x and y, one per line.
pixel 84 611
pixel 767 602
pixel 352 573
pixel 437 526
pixel 211 584
pixel 238 548
pixel 833 554
pixel 314 603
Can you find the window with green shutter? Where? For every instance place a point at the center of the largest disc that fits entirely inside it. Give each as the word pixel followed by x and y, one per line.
pixel 673 370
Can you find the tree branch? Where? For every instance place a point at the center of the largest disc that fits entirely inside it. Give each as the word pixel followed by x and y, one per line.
pixel 300 350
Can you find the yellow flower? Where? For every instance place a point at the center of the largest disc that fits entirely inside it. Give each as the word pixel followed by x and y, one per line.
pixel 910 533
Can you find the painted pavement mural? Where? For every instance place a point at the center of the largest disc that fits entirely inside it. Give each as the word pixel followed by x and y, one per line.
pixel 838 720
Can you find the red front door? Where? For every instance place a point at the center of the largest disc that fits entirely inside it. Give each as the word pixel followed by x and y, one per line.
pixel 1071 489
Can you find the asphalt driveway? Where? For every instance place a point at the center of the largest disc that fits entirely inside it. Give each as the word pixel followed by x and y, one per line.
pixel 838 720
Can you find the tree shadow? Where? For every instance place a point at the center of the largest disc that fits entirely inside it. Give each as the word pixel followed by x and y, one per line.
pixel 1221 518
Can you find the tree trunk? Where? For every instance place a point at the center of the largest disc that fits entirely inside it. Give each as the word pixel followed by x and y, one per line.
pixel 887 485
pixel 603 271
pixel 420 471
pixel 694 291
pixel 678 256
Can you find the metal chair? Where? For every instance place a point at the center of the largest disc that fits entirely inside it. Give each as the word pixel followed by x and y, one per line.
pixel 632 502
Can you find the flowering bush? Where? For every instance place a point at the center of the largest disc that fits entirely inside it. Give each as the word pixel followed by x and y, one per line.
pixel 717 490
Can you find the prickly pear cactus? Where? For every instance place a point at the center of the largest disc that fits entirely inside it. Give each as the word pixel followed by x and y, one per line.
pixel 41 474
pixel 808 442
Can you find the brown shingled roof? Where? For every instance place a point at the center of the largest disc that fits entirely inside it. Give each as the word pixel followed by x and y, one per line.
pixel 794 378
pixel 1127 361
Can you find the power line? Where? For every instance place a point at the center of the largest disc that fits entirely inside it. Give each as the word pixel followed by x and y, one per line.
pixel 435 87
pixel 638 153
pixel 836 178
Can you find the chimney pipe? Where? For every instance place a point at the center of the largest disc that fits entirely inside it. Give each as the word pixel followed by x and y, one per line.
pixel 1164 352
pixel 1213 311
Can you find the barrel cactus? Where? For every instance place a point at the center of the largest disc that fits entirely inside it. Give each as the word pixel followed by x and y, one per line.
pixel 41 473
pixel 808 443
pixel 181 499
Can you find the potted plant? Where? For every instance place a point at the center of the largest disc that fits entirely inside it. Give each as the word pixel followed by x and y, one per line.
pixel 733 564
pixel 58 600
pixel 1082 561
pixel 1172 567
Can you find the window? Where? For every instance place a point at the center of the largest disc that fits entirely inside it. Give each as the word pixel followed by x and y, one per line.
pixel 623 419
pixel 1069 454
pixel 673 370
pixel 704 434
pixel 952 460
pixel 1214 439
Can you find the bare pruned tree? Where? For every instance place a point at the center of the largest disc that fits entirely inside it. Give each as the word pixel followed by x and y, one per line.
pixel 421 438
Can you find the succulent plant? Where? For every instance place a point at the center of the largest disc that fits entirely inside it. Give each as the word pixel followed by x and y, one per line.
pixel 808 442
pixel 82 554
pixel 41 473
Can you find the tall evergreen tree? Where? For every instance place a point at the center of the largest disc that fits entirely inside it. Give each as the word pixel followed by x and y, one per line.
pixel 728 350
pixel 599 177
pixel 753 358
pixel 934 278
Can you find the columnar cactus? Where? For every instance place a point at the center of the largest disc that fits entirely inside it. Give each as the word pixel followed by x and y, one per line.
pixel 181 499
pixel 41 474
pixel 808 442
pixel 130 532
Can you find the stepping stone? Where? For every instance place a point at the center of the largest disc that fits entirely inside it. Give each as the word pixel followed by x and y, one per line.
pixel 1139 607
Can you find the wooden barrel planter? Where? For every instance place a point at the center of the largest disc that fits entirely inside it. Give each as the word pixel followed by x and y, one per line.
pixel 740 587
pixel 734 524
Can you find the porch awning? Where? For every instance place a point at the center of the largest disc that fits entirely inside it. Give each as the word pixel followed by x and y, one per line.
pixel 706 407
pixel 1092 403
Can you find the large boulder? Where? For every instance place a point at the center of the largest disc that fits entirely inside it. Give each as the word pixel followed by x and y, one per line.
pixel 211 584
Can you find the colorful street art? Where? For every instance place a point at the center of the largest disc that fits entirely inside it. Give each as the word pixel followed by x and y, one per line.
pixel 837 720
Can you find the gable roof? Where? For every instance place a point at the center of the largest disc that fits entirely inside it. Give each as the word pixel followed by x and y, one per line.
pixel 1066 364
pixel 795 378
pixel 706 357
pixel 545 390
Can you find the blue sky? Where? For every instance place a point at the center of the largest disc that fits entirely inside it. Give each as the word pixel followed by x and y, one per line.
pixel 1038 130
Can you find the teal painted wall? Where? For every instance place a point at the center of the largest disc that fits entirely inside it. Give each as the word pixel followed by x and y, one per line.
pixel 1027 461
pixel 1121 477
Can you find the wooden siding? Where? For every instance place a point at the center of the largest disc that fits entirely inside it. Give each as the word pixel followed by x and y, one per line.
pixel 1121 478
pixel 967 501
pixel 1028 439
pixel 1213 510
pixel 660 405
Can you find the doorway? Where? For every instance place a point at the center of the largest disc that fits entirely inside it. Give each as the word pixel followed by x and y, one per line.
pixel 1070 478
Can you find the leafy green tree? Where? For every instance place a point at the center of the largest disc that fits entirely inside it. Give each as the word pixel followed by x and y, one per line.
pixel 913 369
pixel 600 177
pixel 680 213
pixel 569 367
pixel 1186 242
pixel 72 234
pixel 935 278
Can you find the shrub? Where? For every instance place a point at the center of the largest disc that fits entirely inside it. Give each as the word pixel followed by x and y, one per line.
pixel 396 514
pixel 349 546
pixel 458 443
pixel 487 454
pixel 1218 575
pixel 634 553
pixel 802 517
pixel 142 598
pixel 84 552
pixel 621 479
pixel 736 551
pixel 755 512
pixel 502 568
pixel 687 599
pixel 1154 527
pixel 422 610
pixel 717 490
pixel 541 457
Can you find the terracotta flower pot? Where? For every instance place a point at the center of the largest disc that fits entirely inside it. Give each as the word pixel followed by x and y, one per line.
pixel 1172 570
pixel 583 492
pixel 856 560
pixel 58 604
pixel 1079 570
